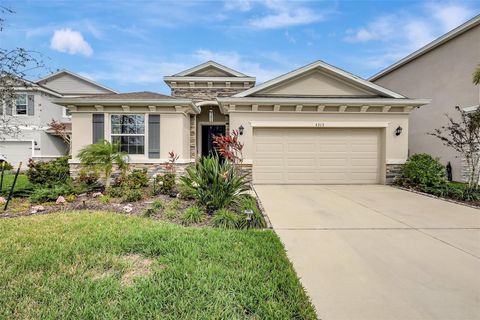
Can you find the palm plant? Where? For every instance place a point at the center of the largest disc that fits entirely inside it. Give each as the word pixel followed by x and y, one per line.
pixel 476 75
pixel 103 156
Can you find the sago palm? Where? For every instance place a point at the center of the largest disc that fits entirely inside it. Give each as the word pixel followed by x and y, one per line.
pixel 103 156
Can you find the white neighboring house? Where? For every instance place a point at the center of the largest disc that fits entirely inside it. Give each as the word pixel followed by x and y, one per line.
pixel 34 110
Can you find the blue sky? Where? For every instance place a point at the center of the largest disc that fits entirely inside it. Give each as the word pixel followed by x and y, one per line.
pixel 131 45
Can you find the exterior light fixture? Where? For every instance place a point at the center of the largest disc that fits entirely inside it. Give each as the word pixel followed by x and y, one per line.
pixel 249 214
pixel 210 115
pixel 398 131
pixel 240 130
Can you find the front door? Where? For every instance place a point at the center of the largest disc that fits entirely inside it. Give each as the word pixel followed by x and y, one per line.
pixel 208 132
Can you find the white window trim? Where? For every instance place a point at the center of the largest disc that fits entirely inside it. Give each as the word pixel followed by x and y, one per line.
pixel 64 113
pixel 111 135
pixel 14 110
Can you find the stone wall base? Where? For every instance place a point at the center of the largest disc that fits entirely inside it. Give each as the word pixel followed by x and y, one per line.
pixel 153 169
pixel 393 171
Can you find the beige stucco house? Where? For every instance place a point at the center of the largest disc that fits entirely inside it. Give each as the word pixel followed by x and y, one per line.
pixel 442 71
pixel 314 125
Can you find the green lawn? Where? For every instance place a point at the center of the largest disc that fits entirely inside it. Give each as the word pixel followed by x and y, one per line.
pixel 74 266
pixel 21 185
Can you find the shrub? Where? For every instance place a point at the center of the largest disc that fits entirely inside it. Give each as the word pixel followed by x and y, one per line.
pixel 224 218
pixel 132 195
pixel 174 204
pixel 170 213
pixel 71 198
pixel 192 215
pixel 158 204
pixel 164 184
pixel 88 177
pixel 104 199
pixel 115 192
pixel 148 212
pixel 185 192
pixel 138 178
pixel 40 195
pixel 49 173
pixel 7 166
pixel 256 220
pixel 462 192
pixel 215 183
pixel 423 170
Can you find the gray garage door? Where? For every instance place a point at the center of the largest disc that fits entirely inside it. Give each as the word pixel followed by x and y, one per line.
pixel 16 151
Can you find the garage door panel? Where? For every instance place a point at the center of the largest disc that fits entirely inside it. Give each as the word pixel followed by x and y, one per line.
pixel 316 156
pixel 292 163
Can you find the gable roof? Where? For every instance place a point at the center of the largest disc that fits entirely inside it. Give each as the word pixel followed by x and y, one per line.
pixel 339 73
pixel 210 64
pixel 68 72
pixel 470 24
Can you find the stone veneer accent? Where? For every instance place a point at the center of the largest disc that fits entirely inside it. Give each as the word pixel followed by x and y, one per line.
pixel 193 136
pixel 247 169
pixel 205 94
pixel 393 171
pixel 153 169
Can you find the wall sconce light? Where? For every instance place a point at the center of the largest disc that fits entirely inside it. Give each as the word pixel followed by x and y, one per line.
pixel 398 131
pixel 240 130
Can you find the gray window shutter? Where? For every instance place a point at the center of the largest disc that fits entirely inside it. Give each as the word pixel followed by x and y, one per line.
pixel 98 126
pixel 1 107
pixel 154 136
pixel 30 105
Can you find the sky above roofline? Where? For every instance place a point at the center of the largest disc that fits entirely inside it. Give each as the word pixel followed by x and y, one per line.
pixel 131 45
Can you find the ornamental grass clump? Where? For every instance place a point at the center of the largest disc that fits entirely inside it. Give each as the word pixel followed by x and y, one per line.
pixel 216 184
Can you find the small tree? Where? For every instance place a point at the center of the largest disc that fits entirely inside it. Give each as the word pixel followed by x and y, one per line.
pixel 60 129
pixel 103 156
pixel 463 136
pixel 15 65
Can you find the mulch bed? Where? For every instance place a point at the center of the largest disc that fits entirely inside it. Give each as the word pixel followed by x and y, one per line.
pixel 471 204
pixel 89 203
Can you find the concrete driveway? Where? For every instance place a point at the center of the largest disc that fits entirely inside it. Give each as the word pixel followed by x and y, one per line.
pixel 376 252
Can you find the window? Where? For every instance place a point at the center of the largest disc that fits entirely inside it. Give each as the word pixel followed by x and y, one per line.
pixel 67 113
pixel 129 132
pixel 21 105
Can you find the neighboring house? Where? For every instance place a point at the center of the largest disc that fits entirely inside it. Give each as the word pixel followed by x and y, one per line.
pixel 315 125
pixel 442 71
pixel 34 110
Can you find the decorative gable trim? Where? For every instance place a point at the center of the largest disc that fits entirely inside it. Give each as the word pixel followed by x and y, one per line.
pixel 208 64
pixel 343 75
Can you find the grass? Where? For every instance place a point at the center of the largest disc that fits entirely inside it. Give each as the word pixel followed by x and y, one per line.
pixel 74 266
pixel 21 185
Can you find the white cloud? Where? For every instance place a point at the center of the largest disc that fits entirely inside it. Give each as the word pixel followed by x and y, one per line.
pixel 127 69
pixel 379 29
pixel 236 61
pixel 70 41
pixel 450 15
pixel 405 32
pixel 285 14
pixel 240 5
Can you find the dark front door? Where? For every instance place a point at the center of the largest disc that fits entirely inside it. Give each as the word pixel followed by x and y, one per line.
pixel 208 132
